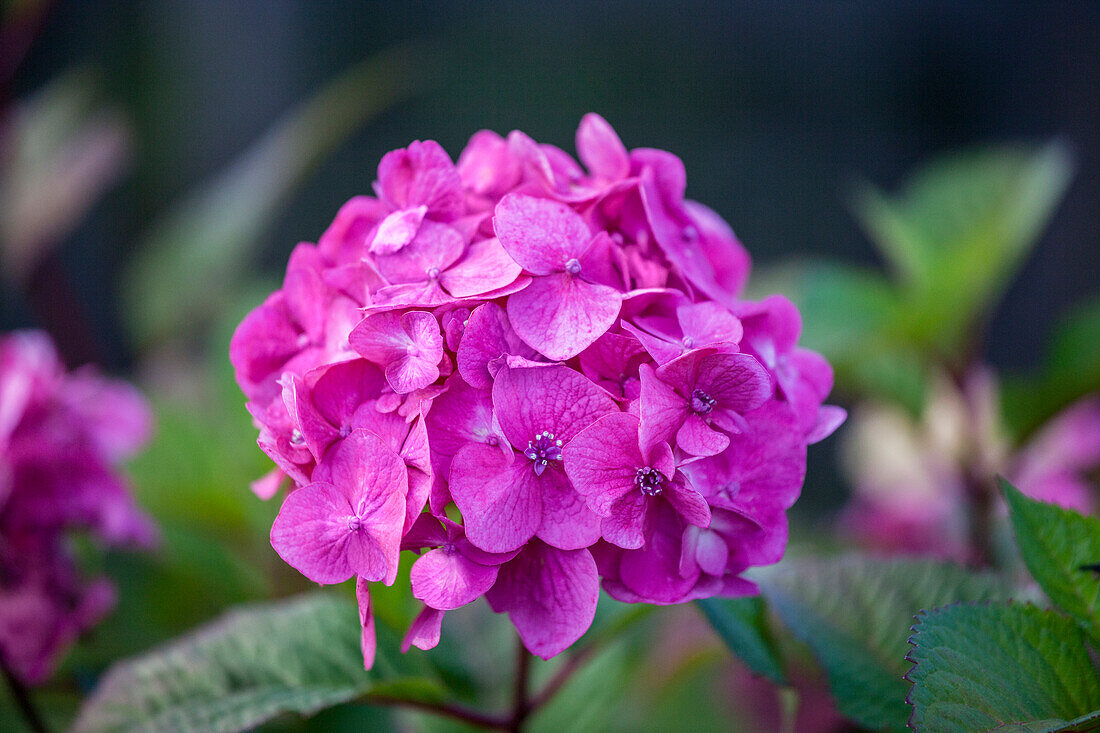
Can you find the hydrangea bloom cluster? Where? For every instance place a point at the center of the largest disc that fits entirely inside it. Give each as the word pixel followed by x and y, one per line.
pixel 536 376
pixel 61 437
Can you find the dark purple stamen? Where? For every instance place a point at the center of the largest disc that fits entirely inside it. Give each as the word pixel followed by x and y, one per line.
pixel 542 450
pixel 649 480
pixel 701 402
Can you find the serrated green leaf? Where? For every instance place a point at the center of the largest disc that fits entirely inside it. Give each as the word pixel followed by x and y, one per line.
pixel 742 625
pixel 855 612
pixel 982 667
pixel 299 656
pixel 1057 545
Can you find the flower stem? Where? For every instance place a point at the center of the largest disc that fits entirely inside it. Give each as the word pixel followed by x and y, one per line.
pixel 446 710
pixel 521 707
pixel 22 698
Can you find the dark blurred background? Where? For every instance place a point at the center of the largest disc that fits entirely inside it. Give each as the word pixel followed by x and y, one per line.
pixel 778 110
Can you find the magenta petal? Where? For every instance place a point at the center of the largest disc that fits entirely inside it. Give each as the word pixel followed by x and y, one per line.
pixel 425 630
pixel 444 579
pixel 567 522
pixel 688 503
pixel 363 463
pixel 488 335
pixel 410 373
pixel 397 230
pixel 421 174
pixel 697 438
pixel 311 533
pixel 368 642
pixel 484 268
pixel 603 460
pixel 662 410
pixel 549 398
pixel 653 572
pixel 626 526
pixel 542 235
pixel 560 315
pixel 461 415
pixel 601 150
pixel 435 248
pixel 500 501
pixel 737 381
pixel 550 595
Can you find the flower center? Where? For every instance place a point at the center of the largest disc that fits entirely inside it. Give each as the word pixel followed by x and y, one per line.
pixel 353 524
pixel 573 266
pixel 542 450
pixel 689 342
pixel 701 402
pixel 649 480
pixel 689 233
pixel 296 437
pixel 433 273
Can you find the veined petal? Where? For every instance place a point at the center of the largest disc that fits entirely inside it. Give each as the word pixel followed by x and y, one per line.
pixel 560 315
pixel 500 501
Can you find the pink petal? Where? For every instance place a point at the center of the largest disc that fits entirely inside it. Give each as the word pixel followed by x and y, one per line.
pixel 542 235
pixel 737 381
pixel 601 150
pixel 425 630
pixel 368 642
pixel 397 230
pixel 421 174
pixel 603 460
pixel 364 464
pixel 411 373
pixel 561 315
pixel 687 502
pixel 567 522
pixel 626 525
pixel 708 323
pixel 311 533
pixel 461 415
pixel 444 579
pixel 488 335
pixel 829 418
pixel 500 501
pixel 435 248
pixel 269 484
pixel 550 595
pixel 697 438
pixel 380 338
pixel 557 399
pixel 653 572
pixel 662 410
pixel 485 267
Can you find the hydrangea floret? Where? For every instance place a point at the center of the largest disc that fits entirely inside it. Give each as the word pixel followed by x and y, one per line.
pixel 538 378
pixel 62 437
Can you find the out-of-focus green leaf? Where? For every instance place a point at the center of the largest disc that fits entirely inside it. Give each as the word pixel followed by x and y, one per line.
pixel 1070 370
pixel 253 664
pixel 742 625
pixel 193 259
pixel 981 667
pixel 1058 546
pixel 855 612
pixel 958 232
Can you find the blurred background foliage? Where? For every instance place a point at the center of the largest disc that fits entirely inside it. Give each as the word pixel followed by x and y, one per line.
pixel 920 177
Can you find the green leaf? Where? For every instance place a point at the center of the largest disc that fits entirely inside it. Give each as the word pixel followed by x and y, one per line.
pixel 1057 544
pixel 958 232
pixel 1071 369
pixel 742 625
pixel 980 667
pixel 855 612
pixel 192 261
pixel 299 655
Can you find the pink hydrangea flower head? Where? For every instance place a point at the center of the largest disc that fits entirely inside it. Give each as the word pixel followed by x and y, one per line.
pixel 539 375
pixel 62 436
